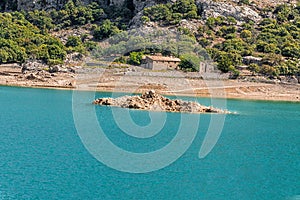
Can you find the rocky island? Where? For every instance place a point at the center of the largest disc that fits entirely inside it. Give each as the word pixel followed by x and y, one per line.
pixel 153 101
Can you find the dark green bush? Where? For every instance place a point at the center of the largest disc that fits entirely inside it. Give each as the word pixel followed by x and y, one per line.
pixel 135 58
pixel 105 30
pixel 189 62
pixel 20 40
pixel 73 41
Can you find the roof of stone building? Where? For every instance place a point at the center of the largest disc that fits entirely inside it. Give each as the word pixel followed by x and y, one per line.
pixel 163 58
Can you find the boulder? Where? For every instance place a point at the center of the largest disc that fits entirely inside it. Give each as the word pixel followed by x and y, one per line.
pixel 289 79
pixel 33 65
pixel 247 60
pixel 31 77
pixel 54 69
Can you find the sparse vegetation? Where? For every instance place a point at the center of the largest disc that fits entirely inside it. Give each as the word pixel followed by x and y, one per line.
pixel 172 13
pixel 25 35
pixel 278 36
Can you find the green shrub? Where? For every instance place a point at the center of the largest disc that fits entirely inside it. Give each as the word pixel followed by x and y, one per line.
pixel 90 45
pixel 14 52
pixel 204 42
pixel 105 30
pixel 247 26
pixel 184 6
pixel 145 19
pixel 246 34
pixel 265 47
pixel 175 19
pixel 158 12
pixel 135 58
pixel 172 14
pixel 189 62
pixel 41 53
pixel 227 30
pixel 73 41
pixel 56 52
pixel 211 22
pixel 268 71
pixel 41 19
pixel 246 2
pixel 231 20
pixel 4 56
pixel 254 68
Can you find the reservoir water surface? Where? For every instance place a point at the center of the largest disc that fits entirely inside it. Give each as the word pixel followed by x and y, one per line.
pixel 43 157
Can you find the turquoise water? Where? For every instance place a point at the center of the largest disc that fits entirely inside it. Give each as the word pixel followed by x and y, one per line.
pixel 42 156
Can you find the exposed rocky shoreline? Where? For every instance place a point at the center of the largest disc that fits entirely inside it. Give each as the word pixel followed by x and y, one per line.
pixel 152 101
pixel 136 79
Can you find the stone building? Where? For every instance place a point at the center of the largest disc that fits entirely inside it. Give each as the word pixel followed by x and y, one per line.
pixel 160 62
pixel 207 66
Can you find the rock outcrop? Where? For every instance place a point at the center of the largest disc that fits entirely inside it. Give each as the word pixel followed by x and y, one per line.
pixel 240 13
pixel 35 75
pixel 38 66
pixel 152 101
pixel 247 60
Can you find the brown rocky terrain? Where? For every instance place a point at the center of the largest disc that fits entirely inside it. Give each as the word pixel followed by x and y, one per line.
pixel 12 74
pixel 139 80
pixel 152 101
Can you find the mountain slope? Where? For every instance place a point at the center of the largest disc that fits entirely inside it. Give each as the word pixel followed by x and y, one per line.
pixel 262 35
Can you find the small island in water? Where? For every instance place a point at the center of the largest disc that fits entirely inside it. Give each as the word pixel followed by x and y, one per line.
pixel 151 100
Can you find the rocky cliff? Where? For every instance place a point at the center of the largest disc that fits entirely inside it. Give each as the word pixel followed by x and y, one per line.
pixel 210 7
pixel 239 12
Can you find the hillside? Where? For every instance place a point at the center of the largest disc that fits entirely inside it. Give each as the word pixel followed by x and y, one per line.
pixel 260 36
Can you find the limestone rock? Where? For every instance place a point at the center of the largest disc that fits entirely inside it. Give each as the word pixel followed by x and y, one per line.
pixel 213 8
pixel 33 65
pixel 31 77
pixel 247 60
pixel 54 69
pixel 152 101
pixel 289 79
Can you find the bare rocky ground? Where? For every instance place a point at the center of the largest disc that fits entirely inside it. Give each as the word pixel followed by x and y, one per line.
pixel 12 75
pixel 138 80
